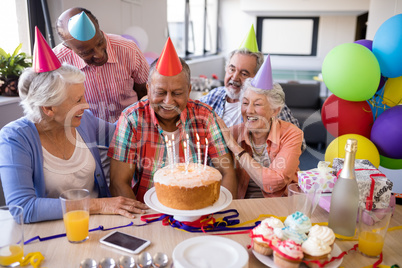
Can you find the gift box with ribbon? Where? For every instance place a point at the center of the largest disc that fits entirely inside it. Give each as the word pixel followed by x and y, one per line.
pixel 374 186
pixel 322 175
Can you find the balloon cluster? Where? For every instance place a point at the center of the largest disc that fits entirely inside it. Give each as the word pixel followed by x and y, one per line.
pixel 363 76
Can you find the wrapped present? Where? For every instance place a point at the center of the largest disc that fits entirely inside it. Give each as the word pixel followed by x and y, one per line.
pixel 337 165
pixel 322 175
pixel 373 184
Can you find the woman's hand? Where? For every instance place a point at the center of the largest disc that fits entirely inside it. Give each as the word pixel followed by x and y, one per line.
pixel 124 206
pixel 229 139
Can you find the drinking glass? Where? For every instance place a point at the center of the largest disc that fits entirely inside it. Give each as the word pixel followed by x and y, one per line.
pixel 372 228
pixel 12 236
pixel 299 200
pixel 75 205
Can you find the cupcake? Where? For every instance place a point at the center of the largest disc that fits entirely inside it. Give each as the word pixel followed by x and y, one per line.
pixel 272 222
pixel 263 237
pixel 299 222
pixel 315 250
pixel 324 233
pixel 289 233
pixel 288 254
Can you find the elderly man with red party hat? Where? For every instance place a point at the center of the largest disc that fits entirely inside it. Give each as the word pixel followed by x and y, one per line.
pixel 54 147
pixel 138 148
pixel 266 148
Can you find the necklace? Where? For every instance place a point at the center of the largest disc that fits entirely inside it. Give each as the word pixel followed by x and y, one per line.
pixel 63 153
pixel 256 147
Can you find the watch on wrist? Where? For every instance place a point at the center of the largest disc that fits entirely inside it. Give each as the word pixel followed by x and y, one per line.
pixel 239 155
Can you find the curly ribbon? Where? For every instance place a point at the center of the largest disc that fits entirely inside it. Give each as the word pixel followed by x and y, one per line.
pixel 100 227
pixel 33 258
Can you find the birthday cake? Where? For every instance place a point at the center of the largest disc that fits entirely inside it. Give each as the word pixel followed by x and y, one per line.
pixel 194 188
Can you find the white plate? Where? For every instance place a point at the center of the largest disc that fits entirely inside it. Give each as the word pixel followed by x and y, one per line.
pixel 225 198
pixel 269 260
pixel 209 251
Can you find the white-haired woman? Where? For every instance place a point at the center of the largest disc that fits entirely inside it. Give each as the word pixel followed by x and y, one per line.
pixel 54 147
pixel 266 149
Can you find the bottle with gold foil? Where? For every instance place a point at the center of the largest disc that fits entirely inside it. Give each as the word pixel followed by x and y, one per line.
pixel 345 196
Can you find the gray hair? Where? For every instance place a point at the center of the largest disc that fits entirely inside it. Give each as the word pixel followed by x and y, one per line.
pixel 186 70
pixel 46 89
pixel 275 96
pixel 244 51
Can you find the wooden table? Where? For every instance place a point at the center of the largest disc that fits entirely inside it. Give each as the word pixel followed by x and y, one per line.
pixel 60 253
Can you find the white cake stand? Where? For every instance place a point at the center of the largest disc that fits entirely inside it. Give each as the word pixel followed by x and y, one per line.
pixel 225 198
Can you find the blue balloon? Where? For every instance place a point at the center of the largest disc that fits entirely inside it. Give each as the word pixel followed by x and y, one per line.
pixel 387 46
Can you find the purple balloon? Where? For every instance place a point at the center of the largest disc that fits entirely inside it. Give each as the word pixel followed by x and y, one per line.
pixel 366 43
pixel 386 133
pixel 129 37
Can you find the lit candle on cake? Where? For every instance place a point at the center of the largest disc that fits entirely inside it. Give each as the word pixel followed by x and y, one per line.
pixel 198 149
pixel 188 148
pixel 167 149
pixel 185 155
pixel 173 150
pixel 170 155
pixel 206 153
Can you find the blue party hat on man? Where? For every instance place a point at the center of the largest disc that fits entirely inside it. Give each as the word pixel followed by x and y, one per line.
pixel 263 78
pixel 81 27
pixel 250 42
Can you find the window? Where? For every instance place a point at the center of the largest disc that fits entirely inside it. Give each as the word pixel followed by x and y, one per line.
pixel 290 36
pixel 193 27
pixel 14 26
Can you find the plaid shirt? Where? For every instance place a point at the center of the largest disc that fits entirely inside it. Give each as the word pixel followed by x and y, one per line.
pixel 217 99
pixel 138 139
pixel 109 88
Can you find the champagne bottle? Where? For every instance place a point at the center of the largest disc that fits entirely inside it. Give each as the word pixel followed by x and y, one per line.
pixel 345 196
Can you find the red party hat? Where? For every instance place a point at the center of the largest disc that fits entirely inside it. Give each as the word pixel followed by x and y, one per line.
pixel 44 60
pixel 169 63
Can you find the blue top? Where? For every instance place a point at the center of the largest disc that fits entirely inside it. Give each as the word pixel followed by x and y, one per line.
pixel 21 165
pixel 217 99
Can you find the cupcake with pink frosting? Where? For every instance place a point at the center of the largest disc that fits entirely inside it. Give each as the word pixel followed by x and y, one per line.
pixel 288 254
pixel 315 251
pixel 324 233
pixel 263 238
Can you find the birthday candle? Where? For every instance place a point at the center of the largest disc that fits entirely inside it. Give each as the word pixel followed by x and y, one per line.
pixel 174 150
pixel 167 149
pixel 206 153
pixel 185 155
pixel 198 149
pixel 170 153
pixel 188 148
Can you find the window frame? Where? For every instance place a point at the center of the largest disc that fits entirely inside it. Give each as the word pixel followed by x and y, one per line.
pixel 188 55
pixel 314 41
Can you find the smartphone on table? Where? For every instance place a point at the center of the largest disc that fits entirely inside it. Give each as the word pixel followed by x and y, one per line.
pixel 126 242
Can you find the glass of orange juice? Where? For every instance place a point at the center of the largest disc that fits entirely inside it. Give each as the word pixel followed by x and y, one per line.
pixel 75 205
pixel 11 235
pixel 372 228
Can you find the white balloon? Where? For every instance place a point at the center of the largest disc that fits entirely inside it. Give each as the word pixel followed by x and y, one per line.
pixel 140 35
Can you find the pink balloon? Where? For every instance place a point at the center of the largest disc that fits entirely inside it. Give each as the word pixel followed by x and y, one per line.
pixel 150 56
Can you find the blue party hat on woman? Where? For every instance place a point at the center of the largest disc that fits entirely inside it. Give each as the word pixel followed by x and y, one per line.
pixel 81 27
